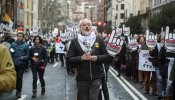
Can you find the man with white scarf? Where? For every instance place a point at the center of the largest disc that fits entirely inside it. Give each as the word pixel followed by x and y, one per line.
pixel 88 52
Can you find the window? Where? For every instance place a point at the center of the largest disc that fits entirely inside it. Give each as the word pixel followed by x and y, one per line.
pixel 116 16
pixel 116 7
pixel 131 15
pixel 122 6
pixel 43 9
pixel 122 15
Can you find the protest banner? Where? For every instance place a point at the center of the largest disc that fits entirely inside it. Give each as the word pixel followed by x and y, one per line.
pixel 144 63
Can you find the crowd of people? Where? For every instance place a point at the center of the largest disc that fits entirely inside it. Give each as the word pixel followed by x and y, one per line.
pixel 161 78
pixel 24 52
pixel 88 56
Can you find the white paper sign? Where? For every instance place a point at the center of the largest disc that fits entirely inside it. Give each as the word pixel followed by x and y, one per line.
pixel 12 50
pixel 59 48
pixel 144 63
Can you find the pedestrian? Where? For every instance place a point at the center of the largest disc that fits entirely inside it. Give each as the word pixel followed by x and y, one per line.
pixel 142 46
pixel 29 42
pixel 170 61
pixel 62 53
pixel 20 54
pixel 88 52
pixel 7 71
pixel 57 41
pixel 156 60
pixel 38 57
pixel 146 73
pixel 7 39
pixel 52 51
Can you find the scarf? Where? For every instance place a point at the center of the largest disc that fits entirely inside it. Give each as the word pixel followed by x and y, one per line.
pixel 86 42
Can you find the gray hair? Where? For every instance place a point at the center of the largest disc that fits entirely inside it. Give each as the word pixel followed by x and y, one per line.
pixel 81 21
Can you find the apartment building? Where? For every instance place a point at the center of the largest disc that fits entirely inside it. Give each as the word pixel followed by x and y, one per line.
pixel 144 12
pixel 156 5
pixel 28 15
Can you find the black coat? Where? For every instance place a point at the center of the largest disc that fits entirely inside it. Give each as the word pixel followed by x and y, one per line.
pixel 155 57
pixel 88 70
pixel 41 54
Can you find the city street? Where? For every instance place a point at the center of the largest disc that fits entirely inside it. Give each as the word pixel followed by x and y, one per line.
pixel 139 34
pixel 62 86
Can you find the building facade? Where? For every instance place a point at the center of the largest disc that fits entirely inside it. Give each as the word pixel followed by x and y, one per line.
pixel 144 12
pixel 35 17
pixel 156 5
pixel 118 11
pixel 20 13
pixel 28 15
pixel 136 7
pixel 100 11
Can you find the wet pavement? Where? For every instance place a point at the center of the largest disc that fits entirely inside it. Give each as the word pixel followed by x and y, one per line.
pixel 62 86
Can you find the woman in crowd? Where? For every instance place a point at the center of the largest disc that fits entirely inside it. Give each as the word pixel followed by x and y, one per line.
pixel 145 75
pixel 38 57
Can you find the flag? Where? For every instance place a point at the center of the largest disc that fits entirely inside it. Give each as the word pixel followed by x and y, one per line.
pixel 7 19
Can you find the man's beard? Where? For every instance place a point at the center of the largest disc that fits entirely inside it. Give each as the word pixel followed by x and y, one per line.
pixel 86 33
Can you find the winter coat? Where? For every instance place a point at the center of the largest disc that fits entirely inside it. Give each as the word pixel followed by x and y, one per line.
pixel 154 57
pixel 18 50
pixel 7 71
pixel 39 52
pixel 88 70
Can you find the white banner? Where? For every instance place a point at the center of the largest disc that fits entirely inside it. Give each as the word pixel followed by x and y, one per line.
pixel 144 63
pixel 59 48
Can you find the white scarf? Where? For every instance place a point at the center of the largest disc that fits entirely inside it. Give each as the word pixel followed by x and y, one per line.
pixel 83 40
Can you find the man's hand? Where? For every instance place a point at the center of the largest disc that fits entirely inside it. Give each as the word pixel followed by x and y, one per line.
pixel 87 56
pixel 93 58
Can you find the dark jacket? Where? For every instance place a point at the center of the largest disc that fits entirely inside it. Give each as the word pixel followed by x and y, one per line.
pixel 39 52
pixel 88 70
pixel 162 55
pixel 154 57
pixel 21 49
pixel 122 53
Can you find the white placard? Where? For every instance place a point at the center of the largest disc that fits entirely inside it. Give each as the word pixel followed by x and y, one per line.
pixel 144 63
pixel 59 48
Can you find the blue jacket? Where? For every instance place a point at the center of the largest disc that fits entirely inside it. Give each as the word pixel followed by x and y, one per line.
pixel 19 50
